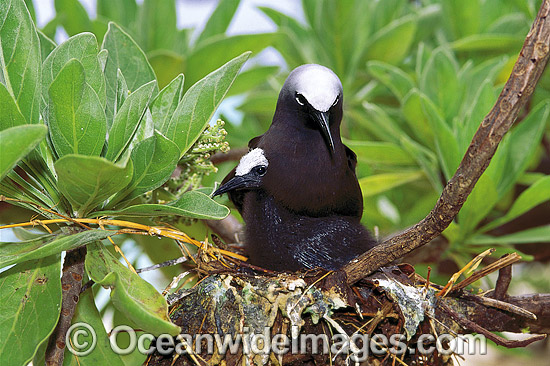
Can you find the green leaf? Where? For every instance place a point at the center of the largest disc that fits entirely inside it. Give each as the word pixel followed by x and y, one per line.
pixel 102 353
pixel 479 203
pixel 199 104
pixel 127 120
pixel 10 116
pixel 86 181
pixel 16 143
pixel 391 43
pixel 47 245
pixel 533 196
pixel 488 43
pixel 122 12
pixel 76 118
pixel 540 234
pixel 135 297
pixel 380 153
pixel 192 204
pixel 252 78
pixel 30 301
pixel 167 65
pixel 84 48
pixel 166 102
pixel 411 106
pixel 46 45
pixel 219 20
pixel 392 77
pixel 157 24
pixel 20 58
pixel 124 54
pixel 154 160
pixel 72 16
pixel 379 183
pixel 463 19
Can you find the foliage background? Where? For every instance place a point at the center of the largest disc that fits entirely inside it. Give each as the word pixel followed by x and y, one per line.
pixel 418 78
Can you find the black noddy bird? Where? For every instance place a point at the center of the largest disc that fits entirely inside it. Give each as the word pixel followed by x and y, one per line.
pixel 296 189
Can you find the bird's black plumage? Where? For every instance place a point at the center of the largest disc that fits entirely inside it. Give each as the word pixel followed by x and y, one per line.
pixel 296 189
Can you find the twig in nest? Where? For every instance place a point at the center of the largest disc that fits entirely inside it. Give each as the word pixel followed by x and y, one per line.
pixel 503 281
pixel 463 321
pixel 516 92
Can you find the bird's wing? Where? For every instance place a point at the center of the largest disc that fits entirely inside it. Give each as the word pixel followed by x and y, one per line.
pixel 352 158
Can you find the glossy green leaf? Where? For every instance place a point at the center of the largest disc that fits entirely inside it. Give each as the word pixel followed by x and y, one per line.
pixel 199 104
pixel 379 183
pixel 30 301
pixel 380 153
pixel 10 116
pixel 76 118
pixel 47 245
pixel 392 77
pixel 16 143
pixel 540 234
pixel 20 58
pixel 391 43
pixel 127 120
pixel 87 181
pixel 82 47
pixel 102 353
pixel 135 297
pixel 192 204
pixel 124 54
pixel 533 196
pixel 154 160
pixel 73 16
pixel 219 20
pixel 166 102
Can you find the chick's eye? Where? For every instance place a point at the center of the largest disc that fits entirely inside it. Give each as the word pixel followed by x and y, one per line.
pixel 300 99
pixel 261 170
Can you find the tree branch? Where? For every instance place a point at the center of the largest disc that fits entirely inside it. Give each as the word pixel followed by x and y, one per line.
pixel 517 91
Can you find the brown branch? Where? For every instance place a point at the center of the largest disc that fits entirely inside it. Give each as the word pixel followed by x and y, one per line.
pixel 503 282
pixel 517 90
pixel 71 283
pixel 228 229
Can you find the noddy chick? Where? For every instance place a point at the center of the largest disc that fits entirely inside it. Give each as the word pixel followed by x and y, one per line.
pixel 296 188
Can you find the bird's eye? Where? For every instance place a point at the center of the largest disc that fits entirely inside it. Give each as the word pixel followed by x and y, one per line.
pixel 261 170
pixel 301 99
pixel 336 101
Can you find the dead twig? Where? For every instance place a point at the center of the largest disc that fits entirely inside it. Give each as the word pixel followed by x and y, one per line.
pixel 516 92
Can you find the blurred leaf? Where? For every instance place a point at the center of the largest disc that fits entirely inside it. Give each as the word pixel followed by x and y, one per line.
pixel 192 204
pixel 154 160
pixel 30 298
pixel 379 183
pixel 20 58
pixel 76 118
pixel 124 54
pixel 392 77
pixel 381 124
pixel 478 204
pixel 46 45
pixel 157 24
pixel 391 43
pixel 533 196
pixel 46 245
pixel 483 101
pixel 102 353
pixel 219 20
pixel 82 47
pixel 167 65
pixel 411 106
pixel 127 119
pixel 247 80
pixel 199 104
pixel 135 297
pixel 488 42
pixel 86 181
pixel 426 159
pixel 380 153
pixel 122 12
pixel 540 234
pixel 463 18
pixel 72 16
pixel 16 142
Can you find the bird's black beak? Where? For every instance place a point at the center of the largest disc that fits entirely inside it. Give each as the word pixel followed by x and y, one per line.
pixel 322 119
pixel 246 181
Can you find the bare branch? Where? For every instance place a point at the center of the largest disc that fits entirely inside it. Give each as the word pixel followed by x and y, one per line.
pixel 518 89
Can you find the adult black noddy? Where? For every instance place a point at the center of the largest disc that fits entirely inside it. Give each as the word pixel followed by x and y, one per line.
pixel 296 188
